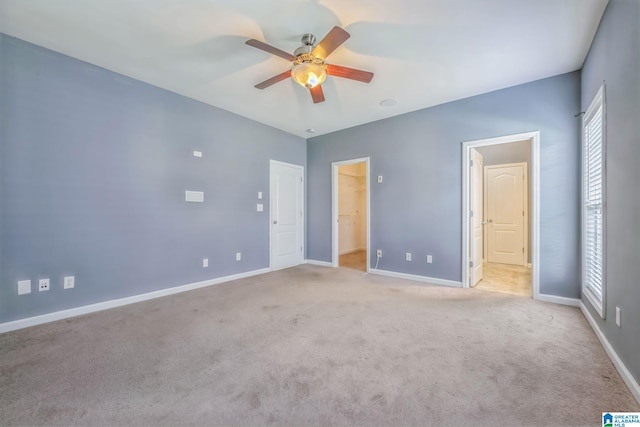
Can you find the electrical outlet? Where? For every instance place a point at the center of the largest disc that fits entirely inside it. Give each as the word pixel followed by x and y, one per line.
pixel 69 282
pixel 24 287
pixel 379 178
pixel 238 256
pixel 379 253
pixel 618 316
pixel 205 262
pixel 429 259
pixel 43 285
pixel 407 256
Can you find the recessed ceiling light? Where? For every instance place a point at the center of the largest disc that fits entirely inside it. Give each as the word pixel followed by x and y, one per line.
pixel 388 102
pixel 311 130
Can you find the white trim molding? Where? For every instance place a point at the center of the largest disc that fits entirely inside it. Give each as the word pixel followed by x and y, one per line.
pixel 625 374
pixel 417 278
pixel 319 263
pixel 92 308
pixel 572 302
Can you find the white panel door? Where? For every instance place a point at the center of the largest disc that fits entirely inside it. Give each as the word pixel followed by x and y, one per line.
pixel 476 202
pixel 505 214
pixel 286 202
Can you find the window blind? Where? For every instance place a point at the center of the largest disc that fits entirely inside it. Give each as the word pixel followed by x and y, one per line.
pixel 593 204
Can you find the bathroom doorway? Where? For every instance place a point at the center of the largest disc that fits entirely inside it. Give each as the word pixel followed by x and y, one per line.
pixel 500 214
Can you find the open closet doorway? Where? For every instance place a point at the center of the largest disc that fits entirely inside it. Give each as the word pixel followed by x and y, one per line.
pixel 500 227
pixel 350 190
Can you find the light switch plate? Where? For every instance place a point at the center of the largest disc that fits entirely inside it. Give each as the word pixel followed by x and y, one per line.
pixel 379 178
pixel 260 207
pixel 429 259
pixel 238 256
pixel 407 256
pixel 205 262
pixel 194 196
pixel 69 282
pixel 259 195
pixel 24 287
pixel 197 154
pixel 618 316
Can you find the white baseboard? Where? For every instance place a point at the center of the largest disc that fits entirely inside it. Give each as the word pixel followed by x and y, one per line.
pixel 415 277
pixel 320 263
pixel 573 302
pixel 628 379
pixel 86 309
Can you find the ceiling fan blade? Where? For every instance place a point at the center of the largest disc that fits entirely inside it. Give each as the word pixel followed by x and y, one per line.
pixel 330 42
pixel 273 80
pixel 349 73
pixel 270 49
pixel 317 94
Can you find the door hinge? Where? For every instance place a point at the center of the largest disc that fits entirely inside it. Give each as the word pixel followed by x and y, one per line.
pixel 470 162
pixel 300 248
pixel 522 250
pixel 471 214
pixel 522 213
pixel 470 264
pixel 300 179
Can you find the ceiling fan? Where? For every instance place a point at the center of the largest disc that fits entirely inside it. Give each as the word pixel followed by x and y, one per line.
pixel 308 67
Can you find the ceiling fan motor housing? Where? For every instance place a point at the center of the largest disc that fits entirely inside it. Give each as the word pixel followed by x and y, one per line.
pixel 308 40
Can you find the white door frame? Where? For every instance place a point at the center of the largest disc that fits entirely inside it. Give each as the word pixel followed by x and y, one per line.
pixel 534 137
pixel 525 206
pixel 271 191
pixel 335 256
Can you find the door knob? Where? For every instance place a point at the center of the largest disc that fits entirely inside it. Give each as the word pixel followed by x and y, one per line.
pixel 489 220
pixel 275 222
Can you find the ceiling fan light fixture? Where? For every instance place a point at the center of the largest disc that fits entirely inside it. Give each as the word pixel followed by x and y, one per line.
pixel 309 71
pixel 308 68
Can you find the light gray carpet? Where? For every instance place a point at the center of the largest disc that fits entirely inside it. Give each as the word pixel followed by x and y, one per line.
pixel 313 346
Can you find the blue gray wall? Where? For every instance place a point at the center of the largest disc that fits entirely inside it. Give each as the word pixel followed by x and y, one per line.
pixel 418 206
pixel 615 58
pixel 93 173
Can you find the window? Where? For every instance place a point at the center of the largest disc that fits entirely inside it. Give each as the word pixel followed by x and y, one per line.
pixel 593 203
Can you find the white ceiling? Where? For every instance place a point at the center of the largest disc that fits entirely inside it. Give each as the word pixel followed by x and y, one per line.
pixel 423 52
